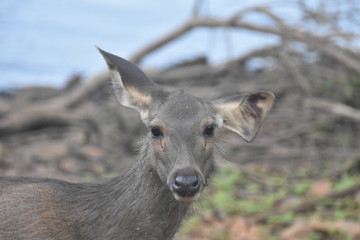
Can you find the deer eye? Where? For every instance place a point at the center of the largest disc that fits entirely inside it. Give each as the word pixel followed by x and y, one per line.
pixel 156 132
pixel 209 130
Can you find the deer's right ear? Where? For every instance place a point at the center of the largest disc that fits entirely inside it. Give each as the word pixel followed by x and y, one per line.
pixel 132 87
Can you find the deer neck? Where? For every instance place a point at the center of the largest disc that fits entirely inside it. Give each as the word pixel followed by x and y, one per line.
pixel 138 205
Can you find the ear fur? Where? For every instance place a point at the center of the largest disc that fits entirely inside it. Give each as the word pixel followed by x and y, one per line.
pixel 244 114
pixel 132 87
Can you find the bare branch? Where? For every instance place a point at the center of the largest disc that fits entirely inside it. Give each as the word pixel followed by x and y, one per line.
pixel 74 98
pixel 196 8
pixel 322 43
pixel 301 80
pixel 186 27
pixel 335 108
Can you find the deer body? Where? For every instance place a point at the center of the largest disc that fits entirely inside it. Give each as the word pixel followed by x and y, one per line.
pixel 149 200
pixel 134 205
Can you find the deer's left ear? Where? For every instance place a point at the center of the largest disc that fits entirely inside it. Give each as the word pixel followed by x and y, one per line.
pixel 244 114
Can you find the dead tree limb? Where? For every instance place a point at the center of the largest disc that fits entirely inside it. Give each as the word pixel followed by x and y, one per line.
pixel 335 108
pixel 197 7
pixel 36 118
pixel 322 43
pixel 301 80
pixel 81 92
pixel 138 57
pixel 53 113
pixel 204 70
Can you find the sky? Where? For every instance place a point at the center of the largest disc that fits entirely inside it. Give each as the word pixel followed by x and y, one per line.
pixel 44 42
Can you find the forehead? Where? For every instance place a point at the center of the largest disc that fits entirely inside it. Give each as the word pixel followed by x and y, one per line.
pixel 183 107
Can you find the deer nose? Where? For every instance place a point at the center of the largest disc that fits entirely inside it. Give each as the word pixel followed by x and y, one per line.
pixel 186 186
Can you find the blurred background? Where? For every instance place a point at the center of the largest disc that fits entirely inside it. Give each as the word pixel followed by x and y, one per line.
pixel 298 180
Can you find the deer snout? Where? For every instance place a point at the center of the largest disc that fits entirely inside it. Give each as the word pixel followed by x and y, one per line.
pixel 186 185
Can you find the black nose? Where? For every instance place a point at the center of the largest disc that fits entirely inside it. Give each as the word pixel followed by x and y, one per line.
pixel 186 186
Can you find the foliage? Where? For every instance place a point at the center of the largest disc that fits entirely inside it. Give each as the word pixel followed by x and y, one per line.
pixel 233 194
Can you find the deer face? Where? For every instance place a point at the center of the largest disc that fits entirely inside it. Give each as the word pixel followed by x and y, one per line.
pixel 182 137
pixel 181 127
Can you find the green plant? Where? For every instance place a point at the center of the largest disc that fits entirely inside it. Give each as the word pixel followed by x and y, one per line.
pixel 190 224
pixel 346 181
pixel 302 187
pixel 282 218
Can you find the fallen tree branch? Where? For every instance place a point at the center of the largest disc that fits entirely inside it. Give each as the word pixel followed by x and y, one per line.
pixel 36 118
pixel 81 92
pixel 267 51
pixel 321 43
pixel 184 28
pixel 204 70
pixel 56 112
pixel 335 108
pixel 295 72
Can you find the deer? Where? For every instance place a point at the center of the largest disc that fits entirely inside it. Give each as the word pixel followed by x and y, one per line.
pixel 150 199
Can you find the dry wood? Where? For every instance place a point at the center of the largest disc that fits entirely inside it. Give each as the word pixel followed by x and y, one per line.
pixel 35 118
pixel 335 108
pixel 321 43
pixel 53 113
pixel 81 92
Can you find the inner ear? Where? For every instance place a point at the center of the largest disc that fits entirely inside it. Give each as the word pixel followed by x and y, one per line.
pixel 129 96
pixel 244 114
pixel 131 85
pixel 257 105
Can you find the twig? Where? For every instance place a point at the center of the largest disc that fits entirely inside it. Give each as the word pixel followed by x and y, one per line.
pixel 197 7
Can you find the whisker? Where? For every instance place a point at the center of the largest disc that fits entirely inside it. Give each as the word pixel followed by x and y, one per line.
pixel 225 152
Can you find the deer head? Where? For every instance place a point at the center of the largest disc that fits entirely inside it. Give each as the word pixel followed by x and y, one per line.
pixel 181 127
